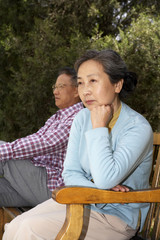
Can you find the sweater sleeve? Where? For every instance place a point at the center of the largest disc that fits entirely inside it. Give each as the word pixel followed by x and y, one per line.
pixel 111 165
pixel 73 173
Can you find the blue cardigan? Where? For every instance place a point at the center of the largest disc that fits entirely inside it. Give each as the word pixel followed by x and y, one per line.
pixel 123 156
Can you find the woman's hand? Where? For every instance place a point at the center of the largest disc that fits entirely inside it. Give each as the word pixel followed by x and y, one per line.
pixel 120 188
pixel 101 115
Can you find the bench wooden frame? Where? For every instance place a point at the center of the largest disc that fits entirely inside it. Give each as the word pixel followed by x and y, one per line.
pixel 7 214
pixel 77 197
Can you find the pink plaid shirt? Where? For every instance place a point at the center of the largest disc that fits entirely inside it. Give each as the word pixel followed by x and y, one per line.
pixel 47 147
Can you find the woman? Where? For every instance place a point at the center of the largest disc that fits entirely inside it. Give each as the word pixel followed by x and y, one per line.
pixel 109 144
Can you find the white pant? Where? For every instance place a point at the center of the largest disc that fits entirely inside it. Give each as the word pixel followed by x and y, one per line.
pixel 46 219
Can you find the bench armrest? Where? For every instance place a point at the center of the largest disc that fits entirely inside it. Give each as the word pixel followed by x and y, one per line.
pixel 85 195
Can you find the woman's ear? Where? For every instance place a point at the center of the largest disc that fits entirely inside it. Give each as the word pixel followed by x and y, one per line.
pixel 118 86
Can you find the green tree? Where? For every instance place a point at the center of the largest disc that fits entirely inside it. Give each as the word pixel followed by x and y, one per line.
pixel 37 37
pixel 29 99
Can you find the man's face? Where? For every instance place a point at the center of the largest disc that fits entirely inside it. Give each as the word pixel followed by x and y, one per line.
pixel 65 92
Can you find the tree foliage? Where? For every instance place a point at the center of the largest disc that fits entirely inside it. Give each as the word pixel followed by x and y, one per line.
pixel 37 37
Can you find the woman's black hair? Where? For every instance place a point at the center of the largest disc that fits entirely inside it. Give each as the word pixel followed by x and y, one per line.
pixel 113 66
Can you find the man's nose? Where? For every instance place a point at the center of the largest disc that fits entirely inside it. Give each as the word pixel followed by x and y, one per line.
pixel 55 91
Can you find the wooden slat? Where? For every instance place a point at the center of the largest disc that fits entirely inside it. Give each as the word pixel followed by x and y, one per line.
pixel 156 138
pixel 156 175
pixel 11 212
pixel 156 227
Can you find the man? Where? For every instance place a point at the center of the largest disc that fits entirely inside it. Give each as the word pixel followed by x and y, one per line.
pixel 32 166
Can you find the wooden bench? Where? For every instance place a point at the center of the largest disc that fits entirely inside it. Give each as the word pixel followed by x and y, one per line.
pixel 76 197
pixel 9 213
pixel 73 198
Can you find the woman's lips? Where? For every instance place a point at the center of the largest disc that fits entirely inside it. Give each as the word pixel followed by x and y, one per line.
pixel 89 102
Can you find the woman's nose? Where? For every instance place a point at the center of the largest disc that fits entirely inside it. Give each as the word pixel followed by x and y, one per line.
pixel 86 90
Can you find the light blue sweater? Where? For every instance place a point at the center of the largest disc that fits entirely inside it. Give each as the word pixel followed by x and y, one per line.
pixel 122 157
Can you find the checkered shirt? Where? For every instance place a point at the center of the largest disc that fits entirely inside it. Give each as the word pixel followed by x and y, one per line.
pixel 47 147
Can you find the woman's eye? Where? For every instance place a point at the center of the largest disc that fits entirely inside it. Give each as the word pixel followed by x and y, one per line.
pixel 93 80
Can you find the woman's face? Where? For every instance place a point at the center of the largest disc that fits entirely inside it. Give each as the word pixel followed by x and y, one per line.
pixel 94 86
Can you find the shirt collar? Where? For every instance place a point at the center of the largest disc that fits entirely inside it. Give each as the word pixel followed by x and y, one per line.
pixel 64 113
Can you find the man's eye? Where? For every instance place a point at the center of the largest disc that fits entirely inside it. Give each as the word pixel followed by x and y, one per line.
pixel 79 83
pixel 61 86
